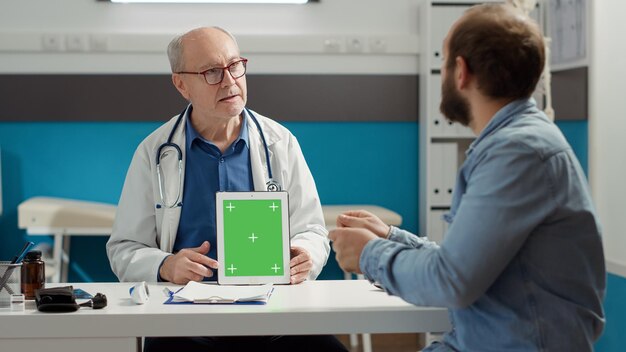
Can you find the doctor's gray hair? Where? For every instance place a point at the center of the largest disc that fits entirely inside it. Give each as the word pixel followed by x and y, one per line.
pixel 175 48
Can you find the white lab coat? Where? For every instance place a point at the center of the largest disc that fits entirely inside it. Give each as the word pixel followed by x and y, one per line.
pixel 143 235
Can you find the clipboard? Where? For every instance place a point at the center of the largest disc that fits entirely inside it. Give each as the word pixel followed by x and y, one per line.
pixel 255 303
pixel 170 299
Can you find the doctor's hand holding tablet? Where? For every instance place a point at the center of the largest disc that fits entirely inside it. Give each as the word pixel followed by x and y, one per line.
pixel 253 244
pixel 192 264
pixel 300 264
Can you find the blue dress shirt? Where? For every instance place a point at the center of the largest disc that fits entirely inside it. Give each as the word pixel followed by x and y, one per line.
pixel 521 267
pixel 207 171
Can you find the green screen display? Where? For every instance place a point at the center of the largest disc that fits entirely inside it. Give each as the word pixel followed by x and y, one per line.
pixel 253 238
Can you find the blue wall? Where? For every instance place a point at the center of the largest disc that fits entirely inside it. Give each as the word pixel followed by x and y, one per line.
pixel 614 337
pixel 351 162
pixel 576 134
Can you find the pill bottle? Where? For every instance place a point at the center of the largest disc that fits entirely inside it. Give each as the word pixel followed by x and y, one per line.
pixel 33 274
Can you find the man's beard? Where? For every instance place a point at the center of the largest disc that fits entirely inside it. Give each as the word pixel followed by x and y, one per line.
pixel 453 106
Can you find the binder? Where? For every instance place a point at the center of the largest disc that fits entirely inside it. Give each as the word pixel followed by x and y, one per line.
pixel 437 122
pixel 442 171
pixel 449 157
pixel 435 172
pixel 442 18
pixel 438 226
pixel 440 126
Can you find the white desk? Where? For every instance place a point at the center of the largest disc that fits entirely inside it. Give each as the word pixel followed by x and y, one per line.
pixel 313 307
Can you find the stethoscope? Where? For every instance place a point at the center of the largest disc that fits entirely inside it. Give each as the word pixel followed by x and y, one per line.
pixel 272 185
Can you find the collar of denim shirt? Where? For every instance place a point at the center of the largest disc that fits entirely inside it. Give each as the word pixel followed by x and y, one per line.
pixel 502 118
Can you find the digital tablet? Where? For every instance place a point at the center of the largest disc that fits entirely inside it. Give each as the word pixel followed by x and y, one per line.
pixel 252 237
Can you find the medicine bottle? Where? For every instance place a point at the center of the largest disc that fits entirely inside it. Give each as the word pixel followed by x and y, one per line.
pixel 33 274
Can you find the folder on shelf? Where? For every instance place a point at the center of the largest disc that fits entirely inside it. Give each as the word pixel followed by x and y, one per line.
pixel 436 169
pixel 449 159
pixel 211 293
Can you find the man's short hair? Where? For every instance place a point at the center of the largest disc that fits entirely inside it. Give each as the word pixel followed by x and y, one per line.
pixel 175 49
pixel 503 49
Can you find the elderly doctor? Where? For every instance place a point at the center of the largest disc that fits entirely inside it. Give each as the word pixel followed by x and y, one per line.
pixel 165 223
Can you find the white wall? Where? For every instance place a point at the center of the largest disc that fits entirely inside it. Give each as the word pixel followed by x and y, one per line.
pixel 607 126
pixel 136 35
pixel 328 16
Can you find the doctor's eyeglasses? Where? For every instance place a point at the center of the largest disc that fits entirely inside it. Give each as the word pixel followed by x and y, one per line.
pixel 215 75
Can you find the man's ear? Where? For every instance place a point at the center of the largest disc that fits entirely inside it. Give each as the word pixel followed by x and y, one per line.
pixel 462 75
pixel 180 85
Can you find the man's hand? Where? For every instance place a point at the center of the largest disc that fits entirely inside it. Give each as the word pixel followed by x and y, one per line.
pixel 189 264
pixel 363 219
pixel 348 244
pixel 300 264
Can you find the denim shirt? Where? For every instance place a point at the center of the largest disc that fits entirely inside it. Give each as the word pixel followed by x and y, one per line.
pixel 521 267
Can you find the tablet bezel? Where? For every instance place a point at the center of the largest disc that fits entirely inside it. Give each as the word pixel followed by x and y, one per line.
pixel 220 197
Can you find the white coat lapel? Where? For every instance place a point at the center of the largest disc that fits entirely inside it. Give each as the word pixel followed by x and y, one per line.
pixel 257 157
pixel 258 160
pixel 171 216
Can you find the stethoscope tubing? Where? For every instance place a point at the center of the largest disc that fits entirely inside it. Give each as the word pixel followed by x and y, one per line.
pixel 271 184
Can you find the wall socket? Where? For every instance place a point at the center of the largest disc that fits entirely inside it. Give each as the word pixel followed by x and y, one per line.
pixel 76 42
pixel 332 45
pixel 98 42
pixel 355 44
pixel 378 45
pixel 52 42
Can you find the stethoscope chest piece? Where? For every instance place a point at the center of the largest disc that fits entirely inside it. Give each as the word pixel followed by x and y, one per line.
pixel 273 186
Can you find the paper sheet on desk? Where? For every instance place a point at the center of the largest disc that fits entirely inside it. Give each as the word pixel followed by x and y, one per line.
pixel 195 292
